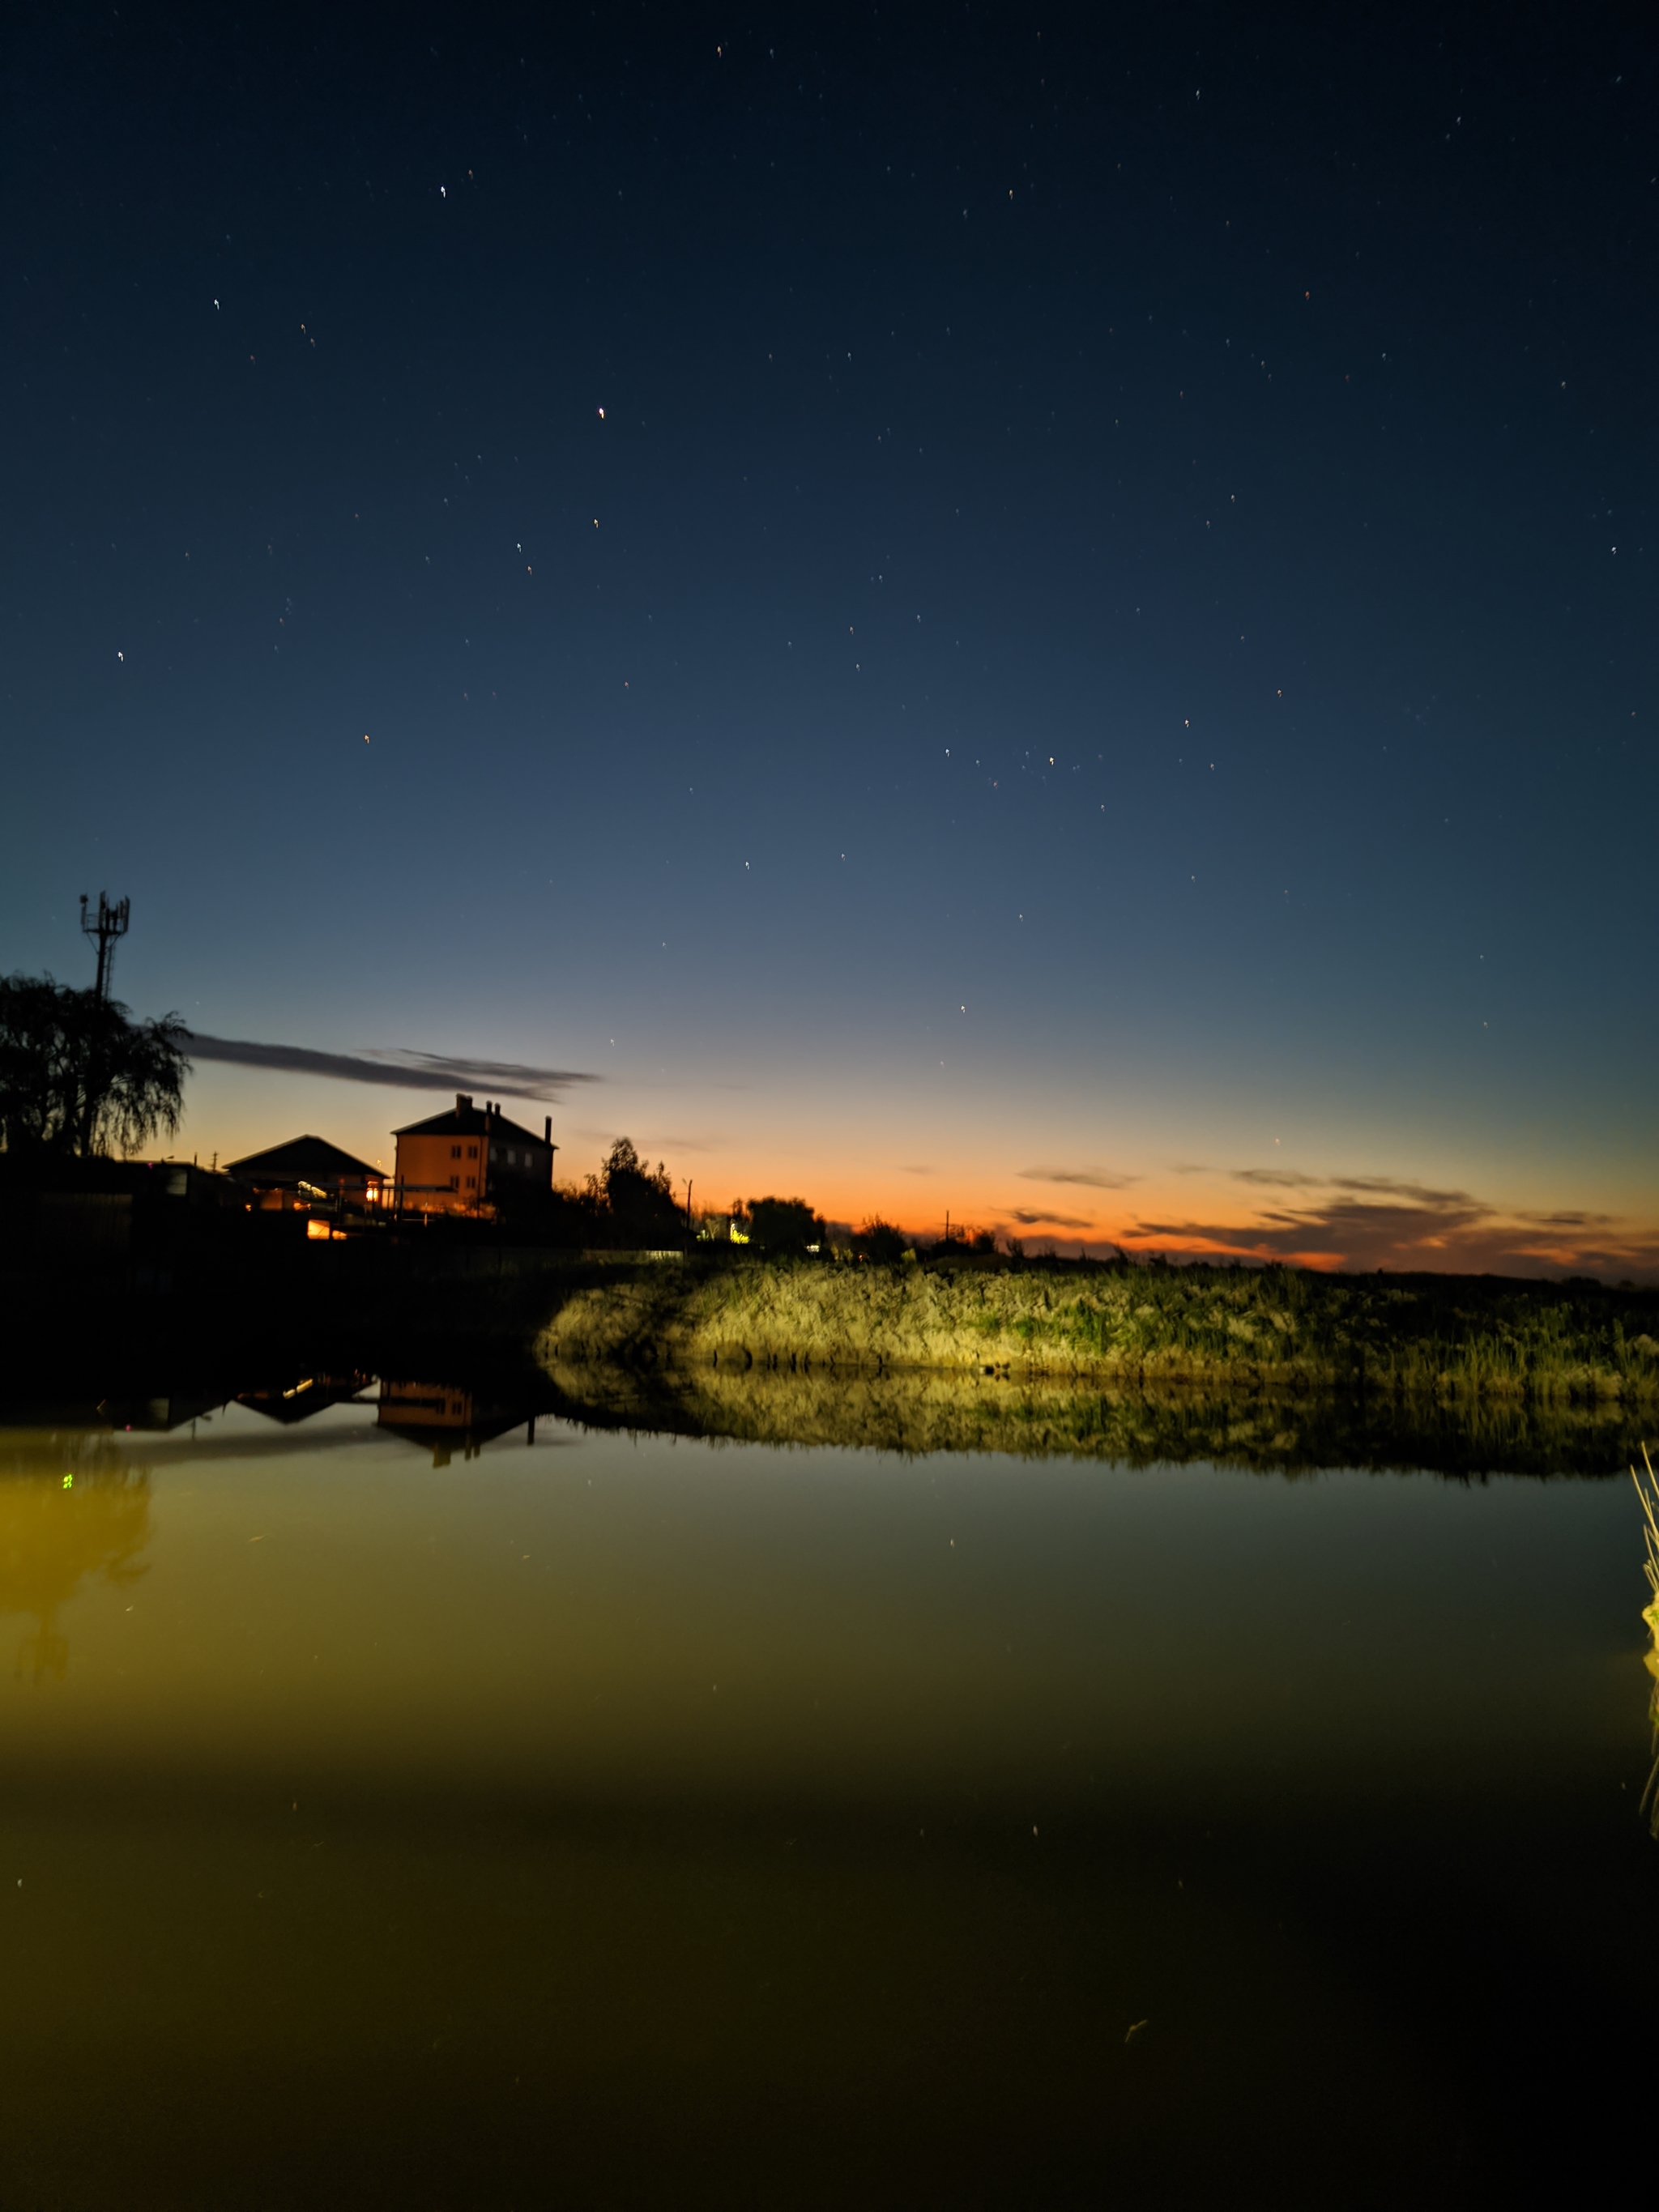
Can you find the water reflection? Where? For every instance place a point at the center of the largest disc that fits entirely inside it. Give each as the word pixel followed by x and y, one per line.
pixel 721 1817
pixel 72 1507
pixel 304 1397
pixel 444 1415
pixel 915 1411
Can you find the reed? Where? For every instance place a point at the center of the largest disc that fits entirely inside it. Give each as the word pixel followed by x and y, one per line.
pixel 1418 1338
pixel 1649 1495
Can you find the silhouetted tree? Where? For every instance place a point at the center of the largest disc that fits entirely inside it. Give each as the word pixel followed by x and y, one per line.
pixel 878 1240
pixel 78 1075
pixel 783 1224
pixel 639 1206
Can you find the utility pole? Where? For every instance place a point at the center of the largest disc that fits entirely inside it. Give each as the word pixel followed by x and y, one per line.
pixel 110 923
pixel 688 1206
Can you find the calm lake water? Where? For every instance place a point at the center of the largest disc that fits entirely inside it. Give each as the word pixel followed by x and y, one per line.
pixel 594 1818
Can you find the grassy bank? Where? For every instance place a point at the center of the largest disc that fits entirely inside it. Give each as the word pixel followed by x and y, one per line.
pixel 1423 1337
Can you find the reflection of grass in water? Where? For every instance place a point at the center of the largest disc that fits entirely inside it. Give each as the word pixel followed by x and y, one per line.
pixel 911 1410
pixel 1650 1498
pixel 71 1506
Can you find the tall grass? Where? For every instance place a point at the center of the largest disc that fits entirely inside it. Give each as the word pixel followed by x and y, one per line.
pixel 1430 1338
pixel 1650 1498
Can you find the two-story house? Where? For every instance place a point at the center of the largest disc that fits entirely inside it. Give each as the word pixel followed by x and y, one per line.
pixel 461 1162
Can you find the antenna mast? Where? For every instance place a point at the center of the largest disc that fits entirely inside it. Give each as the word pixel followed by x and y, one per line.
pixel 109 924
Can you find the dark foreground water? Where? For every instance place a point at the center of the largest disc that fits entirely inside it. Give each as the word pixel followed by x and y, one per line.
pixel 596 1820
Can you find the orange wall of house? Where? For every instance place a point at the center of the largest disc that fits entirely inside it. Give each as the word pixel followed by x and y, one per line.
pixel 424 1160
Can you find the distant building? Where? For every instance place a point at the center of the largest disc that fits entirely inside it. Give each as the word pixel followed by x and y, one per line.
pixel 308 1171
pixel 462 1162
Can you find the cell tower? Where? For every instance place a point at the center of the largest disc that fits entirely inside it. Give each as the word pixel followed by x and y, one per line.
pixel 109 923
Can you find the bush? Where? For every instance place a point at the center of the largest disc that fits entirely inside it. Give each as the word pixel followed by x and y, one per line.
pixel 880 1241
pixel 784 1225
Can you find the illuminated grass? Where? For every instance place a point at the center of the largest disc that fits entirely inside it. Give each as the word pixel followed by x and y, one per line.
pixel 1433 1338
pixel 1650 1498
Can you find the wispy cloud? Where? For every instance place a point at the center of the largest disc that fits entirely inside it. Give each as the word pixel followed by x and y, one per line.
pixel 1412 1193
pixel 1372 1221
pixel 399 1070
pixel 1032 1220
pixel 903 1170
pixel 1095 1178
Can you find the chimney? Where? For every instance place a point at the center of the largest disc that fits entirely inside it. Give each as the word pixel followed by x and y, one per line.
pixel 462 1101
pixel 547 1130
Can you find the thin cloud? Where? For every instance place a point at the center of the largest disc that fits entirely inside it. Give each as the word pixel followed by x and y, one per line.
pixel 1414 1193
pixel 1095 1178
pixel 398 1071
pixel 1029 1220
pixel 1278 1178
pixel 1569 1221
pixel 1381 1222
pixel 903 1170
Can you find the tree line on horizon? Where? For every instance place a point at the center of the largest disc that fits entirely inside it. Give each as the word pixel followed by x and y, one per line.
pixel 81 1079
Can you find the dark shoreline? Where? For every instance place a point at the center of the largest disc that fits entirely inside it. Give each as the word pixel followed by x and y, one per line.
pixel 1464 1376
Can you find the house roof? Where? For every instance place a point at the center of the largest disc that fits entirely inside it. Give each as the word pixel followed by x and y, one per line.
pixel 466 1119
pixel 310 1159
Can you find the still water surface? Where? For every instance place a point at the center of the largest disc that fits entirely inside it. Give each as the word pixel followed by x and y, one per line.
pixel 608 1820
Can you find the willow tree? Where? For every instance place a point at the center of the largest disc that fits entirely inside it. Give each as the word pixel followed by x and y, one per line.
pixel 78 1075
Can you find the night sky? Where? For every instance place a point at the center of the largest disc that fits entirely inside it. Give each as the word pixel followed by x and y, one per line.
pixel 1051 616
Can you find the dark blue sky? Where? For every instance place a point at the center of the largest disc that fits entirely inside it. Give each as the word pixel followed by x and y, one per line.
pixel 1096 667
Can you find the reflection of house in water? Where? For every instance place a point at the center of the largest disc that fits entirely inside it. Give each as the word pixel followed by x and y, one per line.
pixel 300 1399
pixel 162 1415
pixel 433 1414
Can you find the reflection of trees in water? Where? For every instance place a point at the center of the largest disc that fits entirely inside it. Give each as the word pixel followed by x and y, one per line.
pixel 72 1505
pixel 925 1409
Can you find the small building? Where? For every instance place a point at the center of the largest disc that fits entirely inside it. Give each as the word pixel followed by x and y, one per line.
pixel 462 1162
pixel 308 1172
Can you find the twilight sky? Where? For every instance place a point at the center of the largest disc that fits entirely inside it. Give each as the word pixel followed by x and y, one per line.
pixel 1051 618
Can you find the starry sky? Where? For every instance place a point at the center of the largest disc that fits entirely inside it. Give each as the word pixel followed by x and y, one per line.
pixel 939 608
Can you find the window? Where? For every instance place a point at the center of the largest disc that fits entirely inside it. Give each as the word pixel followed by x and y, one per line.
pixel 454 1182
pixel 512 1157
pixel 494 1151
pixel 472 1152
pixel 454 1151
